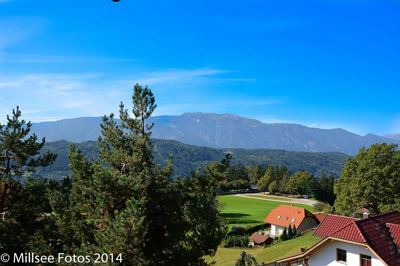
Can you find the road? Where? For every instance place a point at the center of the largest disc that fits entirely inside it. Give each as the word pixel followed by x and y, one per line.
pixel 309 202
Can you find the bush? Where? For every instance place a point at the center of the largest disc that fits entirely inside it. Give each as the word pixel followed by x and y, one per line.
pixel 322 207
pixel 236 241
pixel 253 229
pixel 237 231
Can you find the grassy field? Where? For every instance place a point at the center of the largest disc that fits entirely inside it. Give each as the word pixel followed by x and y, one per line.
pixel 240 211
pixel 228 256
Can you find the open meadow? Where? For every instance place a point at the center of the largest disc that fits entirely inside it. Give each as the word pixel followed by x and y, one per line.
pixel 228 256
pixel 246 212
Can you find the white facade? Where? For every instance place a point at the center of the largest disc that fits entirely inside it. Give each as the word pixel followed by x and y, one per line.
pixel 326 255
pixel 306 224
pixel 276 230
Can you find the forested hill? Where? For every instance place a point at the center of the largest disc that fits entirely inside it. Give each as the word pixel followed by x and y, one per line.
pixel 188 157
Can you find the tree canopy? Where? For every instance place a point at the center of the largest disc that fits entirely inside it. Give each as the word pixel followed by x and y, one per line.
pixel 371 179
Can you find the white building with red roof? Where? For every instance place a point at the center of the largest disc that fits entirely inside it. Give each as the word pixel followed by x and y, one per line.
pixel 284 215
pixel 373 241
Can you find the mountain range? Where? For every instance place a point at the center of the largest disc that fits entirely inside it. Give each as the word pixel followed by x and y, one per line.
pixel 393 136
pixel 223 131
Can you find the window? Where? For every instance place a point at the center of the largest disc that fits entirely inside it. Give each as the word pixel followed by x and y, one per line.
pixel 341 255
pixel 365 260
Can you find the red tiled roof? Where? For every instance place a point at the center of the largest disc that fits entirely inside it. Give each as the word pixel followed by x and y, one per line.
pixel 332 224
pixel 258 239
pixel 379 237
pixel 351 233
pixel 319 216
pixel 285 215
pixel 395 232
pixel 381 233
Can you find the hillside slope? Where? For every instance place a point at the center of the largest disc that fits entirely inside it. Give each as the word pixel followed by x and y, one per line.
pixel 188 158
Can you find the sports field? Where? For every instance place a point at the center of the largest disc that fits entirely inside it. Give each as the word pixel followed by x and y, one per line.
pixel 241 211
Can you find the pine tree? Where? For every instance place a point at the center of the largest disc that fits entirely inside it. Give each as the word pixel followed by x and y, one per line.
pixel 284 235
pixel 20 150
pixel 290 232
pixel 126 204
pixel 23 206
pixel 294 231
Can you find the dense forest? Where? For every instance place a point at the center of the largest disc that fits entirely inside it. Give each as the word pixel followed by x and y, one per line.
pixel 188 158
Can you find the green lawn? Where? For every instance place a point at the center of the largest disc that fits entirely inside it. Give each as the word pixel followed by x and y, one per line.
pixel 240 211
pixel 228 256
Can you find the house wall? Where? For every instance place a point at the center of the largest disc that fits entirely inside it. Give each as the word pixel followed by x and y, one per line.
pixel 276 230
pixel 327 255
pixel 307 223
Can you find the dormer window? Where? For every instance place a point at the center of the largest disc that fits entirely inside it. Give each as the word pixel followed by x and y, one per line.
pixel 293 220
pixel 278 217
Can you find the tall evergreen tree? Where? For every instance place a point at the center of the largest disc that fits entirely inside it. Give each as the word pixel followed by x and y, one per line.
pixel 294 231
pixel 23 206
pixel 20 150
pixel 284 235
pixel 290 232
pixel 127 204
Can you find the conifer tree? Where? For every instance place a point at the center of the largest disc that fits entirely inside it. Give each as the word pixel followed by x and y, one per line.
pixel 20 150
pixel 23 207
pixel 125 203
pixel 294 231
pixel 290 232
pixel 284 235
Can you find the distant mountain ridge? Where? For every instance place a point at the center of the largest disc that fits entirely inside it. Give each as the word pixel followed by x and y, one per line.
pixel 223 131
pixel 393 136
pixel 188 158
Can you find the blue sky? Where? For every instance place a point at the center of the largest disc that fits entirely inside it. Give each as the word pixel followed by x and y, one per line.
pixel 332 63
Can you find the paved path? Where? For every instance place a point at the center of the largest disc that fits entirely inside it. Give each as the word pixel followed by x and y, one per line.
pixel 309 202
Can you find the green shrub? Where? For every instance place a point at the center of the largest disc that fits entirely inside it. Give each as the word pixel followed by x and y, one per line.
pixel 322 207
pixel 236 241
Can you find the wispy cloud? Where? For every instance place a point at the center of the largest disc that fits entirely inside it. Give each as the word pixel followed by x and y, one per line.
pixel 55 95
pixel 177 75
pixel 58 95
pixel 15 29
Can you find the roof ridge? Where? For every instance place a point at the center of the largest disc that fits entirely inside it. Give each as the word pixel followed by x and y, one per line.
pixel 376 217
pixel 359 230
pixel 338 215
pixel 393 224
